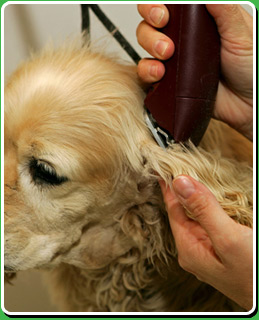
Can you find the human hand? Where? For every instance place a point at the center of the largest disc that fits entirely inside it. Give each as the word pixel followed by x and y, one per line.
pixel 234 102
pixel 213 247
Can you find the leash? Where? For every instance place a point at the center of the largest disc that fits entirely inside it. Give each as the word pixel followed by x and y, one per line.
pixel 113 30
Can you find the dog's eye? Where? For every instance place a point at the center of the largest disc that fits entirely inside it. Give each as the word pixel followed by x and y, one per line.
pixel 43 173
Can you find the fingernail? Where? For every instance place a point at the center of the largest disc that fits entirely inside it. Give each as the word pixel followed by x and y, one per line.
pixel 160 47
pixel 183 187
pixel 153 71
pixel 156 72
pixel 156 15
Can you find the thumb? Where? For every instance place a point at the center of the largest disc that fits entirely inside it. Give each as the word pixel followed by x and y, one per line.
pixel 231 20
pixel 203 207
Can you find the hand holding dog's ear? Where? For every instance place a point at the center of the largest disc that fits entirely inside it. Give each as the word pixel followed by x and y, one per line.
pixel 212 246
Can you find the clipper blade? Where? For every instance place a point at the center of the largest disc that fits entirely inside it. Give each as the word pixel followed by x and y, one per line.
pixel 163 139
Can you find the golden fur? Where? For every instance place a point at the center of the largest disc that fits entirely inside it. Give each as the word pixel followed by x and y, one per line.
pixel 103 231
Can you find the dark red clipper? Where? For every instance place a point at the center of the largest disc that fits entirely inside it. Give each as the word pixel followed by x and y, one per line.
pixel 182 102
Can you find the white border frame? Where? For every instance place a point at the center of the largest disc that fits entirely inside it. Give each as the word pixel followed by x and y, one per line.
pixel 135 314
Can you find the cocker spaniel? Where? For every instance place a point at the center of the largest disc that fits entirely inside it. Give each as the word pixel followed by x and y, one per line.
pixel 82 198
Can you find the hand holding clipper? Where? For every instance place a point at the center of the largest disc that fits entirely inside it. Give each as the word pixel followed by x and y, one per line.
pixel 180 106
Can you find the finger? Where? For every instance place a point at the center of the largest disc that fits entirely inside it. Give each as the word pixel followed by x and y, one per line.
pixel 156 15
pixel 175 210
pixel 172 203
pixel 204 208
pixel 154 42
pixel 150 70
pixel 193 245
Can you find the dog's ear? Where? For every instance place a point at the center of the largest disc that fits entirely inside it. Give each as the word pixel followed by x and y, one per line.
pixel 229 181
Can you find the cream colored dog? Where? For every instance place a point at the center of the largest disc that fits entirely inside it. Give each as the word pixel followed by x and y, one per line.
pixel 81 191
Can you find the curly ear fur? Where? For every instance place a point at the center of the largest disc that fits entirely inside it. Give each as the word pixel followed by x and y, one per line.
pixel 228 179
pixel 139 271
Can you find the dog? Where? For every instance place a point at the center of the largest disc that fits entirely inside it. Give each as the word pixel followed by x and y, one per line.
pixel 82 198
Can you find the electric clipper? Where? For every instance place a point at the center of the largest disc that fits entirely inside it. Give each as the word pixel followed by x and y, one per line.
pixel 179 107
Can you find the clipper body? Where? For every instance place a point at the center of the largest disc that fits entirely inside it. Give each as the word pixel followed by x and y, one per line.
pixel 181 104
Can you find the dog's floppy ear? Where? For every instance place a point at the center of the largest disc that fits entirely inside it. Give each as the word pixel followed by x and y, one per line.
pixel 229 181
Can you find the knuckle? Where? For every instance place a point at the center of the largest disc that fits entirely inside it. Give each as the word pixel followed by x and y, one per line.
pixel 142 72
pixel 140 31
pixel 139 7
pixel 232 8
pixel 142 8
pixel 197 206
pixel 143 64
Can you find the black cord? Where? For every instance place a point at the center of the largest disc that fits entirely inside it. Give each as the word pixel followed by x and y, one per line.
pixel 109 26
pixel 85 18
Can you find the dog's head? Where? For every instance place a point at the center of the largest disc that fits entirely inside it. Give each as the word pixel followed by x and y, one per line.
pixel 73 134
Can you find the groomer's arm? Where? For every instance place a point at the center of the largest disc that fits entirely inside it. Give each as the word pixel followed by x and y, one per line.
pixel 214 248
